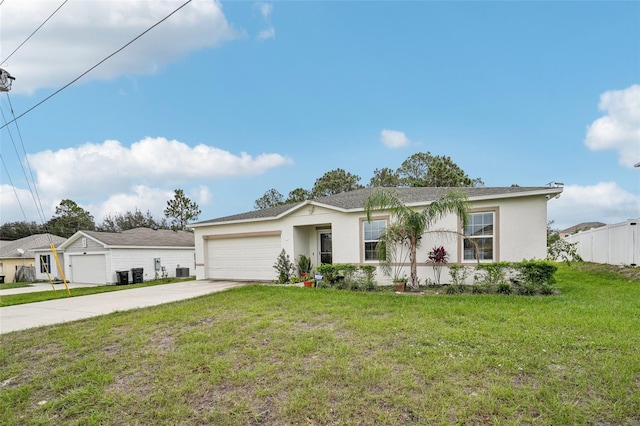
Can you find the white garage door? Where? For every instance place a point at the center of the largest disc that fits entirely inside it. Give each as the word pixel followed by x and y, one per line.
pixel 246 258
pixel 90 268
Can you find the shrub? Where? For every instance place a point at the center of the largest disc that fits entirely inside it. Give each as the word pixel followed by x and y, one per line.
pixel 343 276
pixel 492 273
pixel 284 267
pixel 504 288
pixel 459 274
pixel 478 289
pixel 536 272
pixel 304 264
pixel 527 289
pixel 562 250
pixel 451 289
pixel 546 290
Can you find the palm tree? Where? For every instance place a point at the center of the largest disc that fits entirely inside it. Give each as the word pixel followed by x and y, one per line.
pixel 410 225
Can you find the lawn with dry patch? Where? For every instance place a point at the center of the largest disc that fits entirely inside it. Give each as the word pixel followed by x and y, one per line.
pixel 289 355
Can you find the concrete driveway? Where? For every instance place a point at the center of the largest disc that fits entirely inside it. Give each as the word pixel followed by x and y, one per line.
pixel 21 317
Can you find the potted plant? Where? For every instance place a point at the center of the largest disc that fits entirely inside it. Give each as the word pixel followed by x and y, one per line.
pixel 304 266
pixel 438 257
pixel 400 283
pixel 309 281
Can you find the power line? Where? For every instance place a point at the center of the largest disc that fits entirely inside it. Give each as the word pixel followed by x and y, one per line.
pixel 31 191
pixel 34 31
pixel 96 65
pixel 26 159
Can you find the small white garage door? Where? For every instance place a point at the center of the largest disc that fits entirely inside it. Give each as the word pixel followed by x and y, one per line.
pixel 89 268
pixel 246 258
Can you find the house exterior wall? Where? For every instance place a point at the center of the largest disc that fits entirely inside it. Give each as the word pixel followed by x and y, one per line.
pixel 519 233
pixel 123 259
pixel 91 246
pixel 10 265
pixel 42 276
pixel 616 244
pixel 298 233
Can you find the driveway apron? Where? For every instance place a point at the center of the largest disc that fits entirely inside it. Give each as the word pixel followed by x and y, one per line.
pixel 29 315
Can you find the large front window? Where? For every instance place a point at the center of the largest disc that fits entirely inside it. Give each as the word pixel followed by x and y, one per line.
pixel 371 234
pixel 479 237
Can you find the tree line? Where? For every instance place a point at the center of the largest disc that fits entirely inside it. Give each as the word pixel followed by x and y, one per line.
pixel 421 169
pixel 69 218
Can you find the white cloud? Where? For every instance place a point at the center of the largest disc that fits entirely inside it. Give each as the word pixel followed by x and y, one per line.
pixel 111 167
pixel 14 201
pixel 619 129
pixel 604 202
pixel 84 32
pixel 267 34
pixel 139 197
pixel 265 9
pixel 394 138
pixel 203 195
pixel 108 177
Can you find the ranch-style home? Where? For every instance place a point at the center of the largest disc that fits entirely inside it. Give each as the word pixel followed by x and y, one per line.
pixel 22 252
pixel 507 223
pixel 94 257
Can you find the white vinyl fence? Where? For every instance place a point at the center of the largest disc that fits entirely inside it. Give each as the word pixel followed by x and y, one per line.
pixel 615 244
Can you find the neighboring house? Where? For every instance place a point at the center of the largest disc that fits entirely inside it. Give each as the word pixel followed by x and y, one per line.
pixel 21 252
pixel 96 257
pixel 508 223
pixel 584 226
pixel 45 263
pixel 616 244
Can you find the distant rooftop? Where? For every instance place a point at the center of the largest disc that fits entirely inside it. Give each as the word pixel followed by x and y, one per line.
pixel 145 237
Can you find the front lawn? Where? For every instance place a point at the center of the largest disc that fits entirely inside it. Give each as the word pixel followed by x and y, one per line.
pixel 7 286
pixel 290 355
pixel 61 292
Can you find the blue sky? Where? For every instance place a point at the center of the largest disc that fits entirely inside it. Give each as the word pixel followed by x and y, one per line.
pixel 227 100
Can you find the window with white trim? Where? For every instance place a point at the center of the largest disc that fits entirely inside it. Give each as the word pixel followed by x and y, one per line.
pixel 45 263
pixel 479 237
pixel 371 235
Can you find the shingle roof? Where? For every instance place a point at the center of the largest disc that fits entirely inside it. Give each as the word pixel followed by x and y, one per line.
pixel 9 249
pixel 145 237
pixel 584 226
pixel 354 200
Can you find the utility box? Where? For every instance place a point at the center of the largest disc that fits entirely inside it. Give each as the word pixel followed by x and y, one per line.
pixel 157 264
pixel 182 272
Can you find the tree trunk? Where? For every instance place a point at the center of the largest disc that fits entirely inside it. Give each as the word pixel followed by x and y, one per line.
pixel 414 266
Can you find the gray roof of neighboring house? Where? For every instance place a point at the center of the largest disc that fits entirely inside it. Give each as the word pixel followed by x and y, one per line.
pixel 9 249
pixel 355 199
pixel 584 226
pixel 144 237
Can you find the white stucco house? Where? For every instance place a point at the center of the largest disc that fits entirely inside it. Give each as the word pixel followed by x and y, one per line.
pixel 508 223
pixel 96 257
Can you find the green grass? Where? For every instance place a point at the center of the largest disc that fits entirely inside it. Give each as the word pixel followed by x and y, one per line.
pixel 289 355
pixel 61 292
pixel 7 286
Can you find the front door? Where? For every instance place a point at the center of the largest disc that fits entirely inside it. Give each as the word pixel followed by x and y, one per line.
pixel 325 249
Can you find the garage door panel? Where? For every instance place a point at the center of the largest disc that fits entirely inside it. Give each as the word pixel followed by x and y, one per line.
pixel 243 258
pixel 89 269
